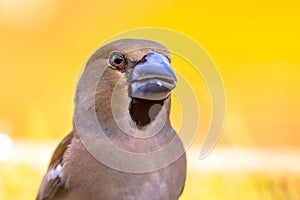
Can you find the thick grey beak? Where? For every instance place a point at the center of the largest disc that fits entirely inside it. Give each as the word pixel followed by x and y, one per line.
pixel 154 79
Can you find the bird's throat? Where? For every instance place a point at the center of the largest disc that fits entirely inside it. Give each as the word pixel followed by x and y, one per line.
pixel 143 112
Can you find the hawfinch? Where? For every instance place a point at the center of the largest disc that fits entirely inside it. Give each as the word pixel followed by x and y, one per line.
pixel 131 102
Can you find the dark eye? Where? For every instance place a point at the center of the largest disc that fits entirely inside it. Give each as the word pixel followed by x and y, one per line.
pixel 117 61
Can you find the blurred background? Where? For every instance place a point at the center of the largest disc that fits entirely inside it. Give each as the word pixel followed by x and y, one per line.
pixel 255 45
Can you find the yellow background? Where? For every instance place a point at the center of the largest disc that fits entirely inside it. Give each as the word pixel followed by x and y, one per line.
pixel 255 45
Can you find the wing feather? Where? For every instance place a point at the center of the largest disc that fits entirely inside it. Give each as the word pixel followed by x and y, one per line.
pixel 52 181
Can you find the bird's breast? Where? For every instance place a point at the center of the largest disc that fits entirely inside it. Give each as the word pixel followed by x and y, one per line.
pixel 103 182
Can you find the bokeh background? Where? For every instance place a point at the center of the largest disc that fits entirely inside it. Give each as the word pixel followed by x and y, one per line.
pixel 255 44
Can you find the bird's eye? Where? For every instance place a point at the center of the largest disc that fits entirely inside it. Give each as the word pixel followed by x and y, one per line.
pixel 117 61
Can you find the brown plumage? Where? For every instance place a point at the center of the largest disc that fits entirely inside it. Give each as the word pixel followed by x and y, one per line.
pixel 74 173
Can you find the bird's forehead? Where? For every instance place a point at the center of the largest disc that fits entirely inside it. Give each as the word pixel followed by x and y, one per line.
pixel 138 54
pixel 134 49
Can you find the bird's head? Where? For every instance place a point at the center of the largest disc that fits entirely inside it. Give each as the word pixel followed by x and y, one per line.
pixel 134 84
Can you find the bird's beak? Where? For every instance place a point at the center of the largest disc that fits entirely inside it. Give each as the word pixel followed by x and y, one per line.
pixel 153 79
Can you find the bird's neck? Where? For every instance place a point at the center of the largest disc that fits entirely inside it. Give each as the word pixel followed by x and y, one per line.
pixel 119 123
pixel 143 112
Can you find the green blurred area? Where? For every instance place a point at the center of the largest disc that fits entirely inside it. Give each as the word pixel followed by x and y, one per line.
pixel 22 182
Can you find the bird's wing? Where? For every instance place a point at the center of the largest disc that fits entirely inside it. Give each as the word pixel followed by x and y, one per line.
pixel 52 181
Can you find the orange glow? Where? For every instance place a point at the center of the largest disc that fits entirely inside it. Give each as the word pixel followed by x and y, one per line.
pixel 255 45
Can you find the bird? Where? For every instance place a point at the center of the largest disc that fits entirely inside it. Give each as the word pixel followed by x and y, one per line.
pixel 132 99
